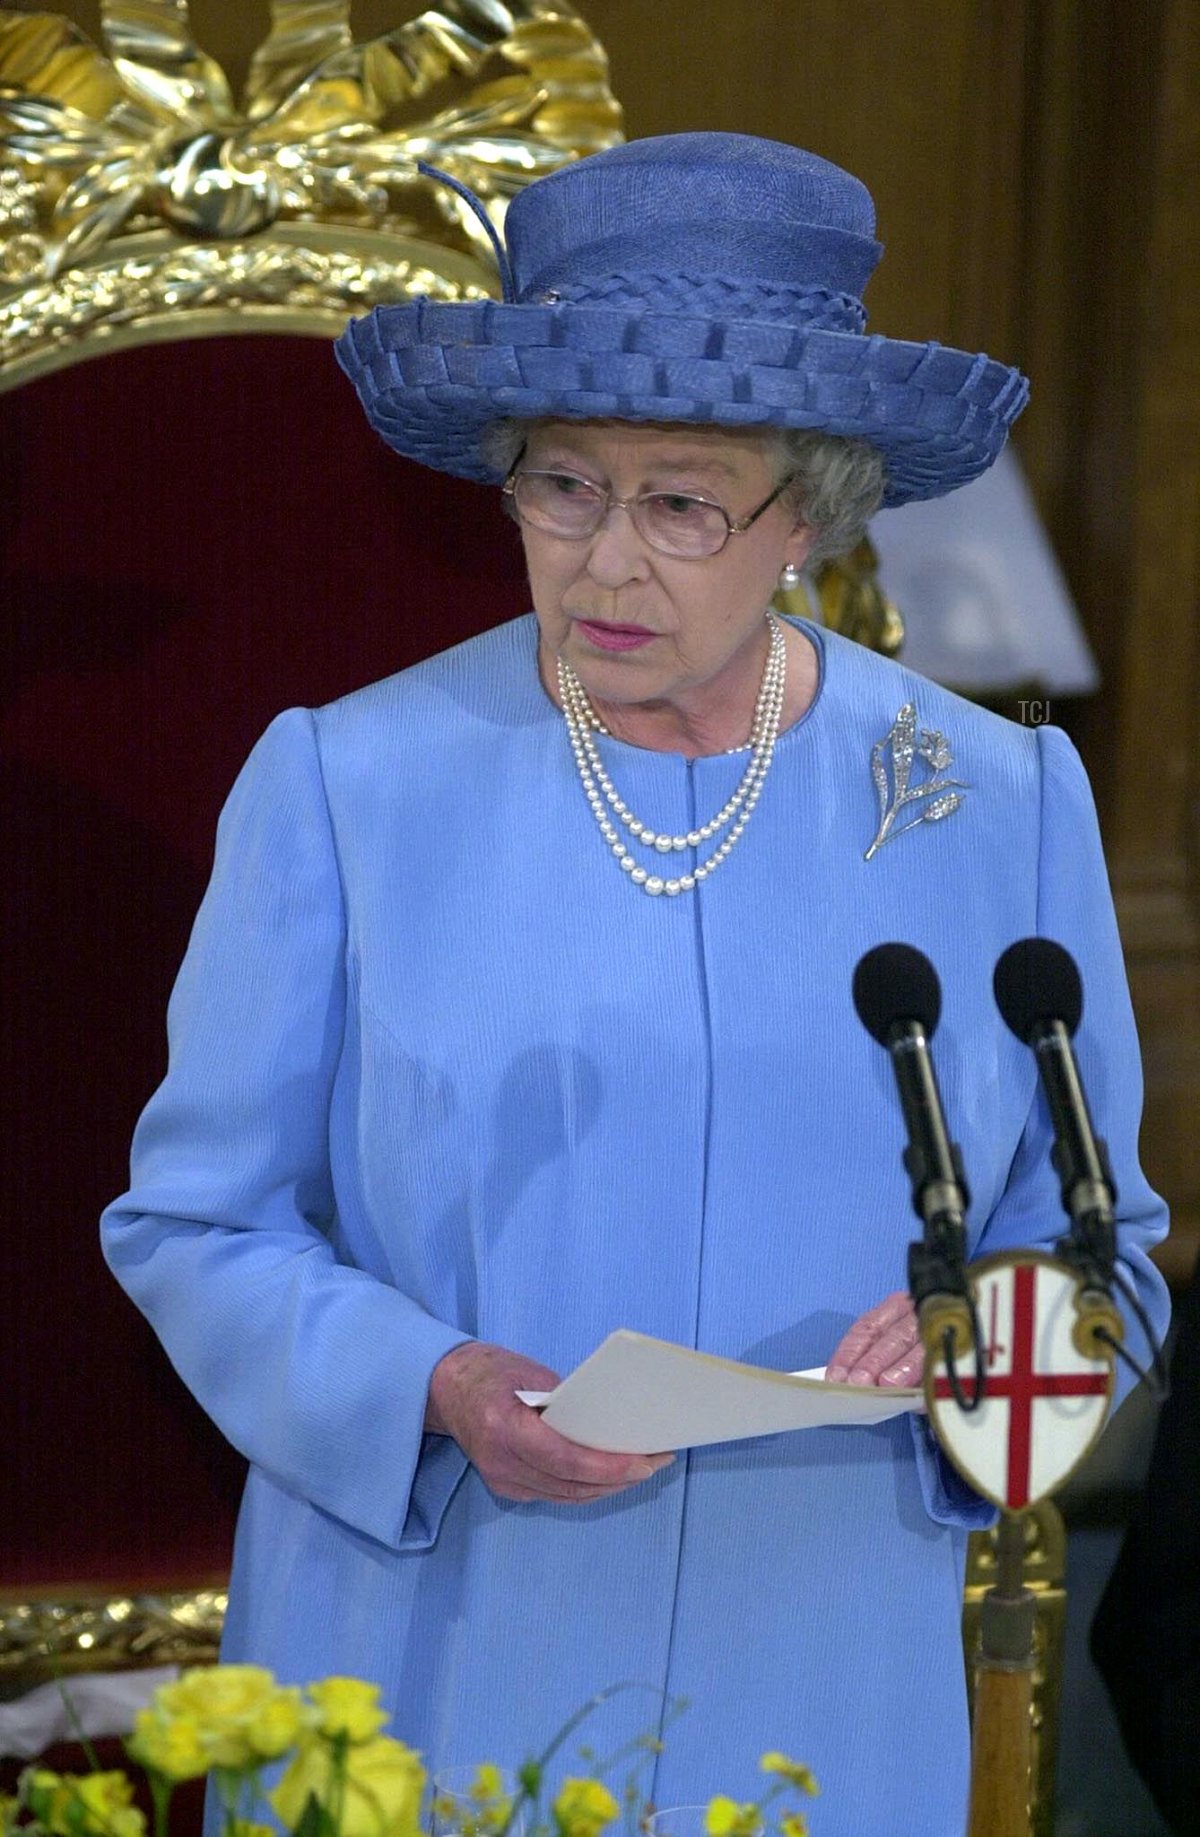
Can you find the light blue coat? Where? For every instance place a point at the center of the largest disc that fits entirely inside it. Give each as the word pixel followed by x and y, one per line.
pixel 438 1070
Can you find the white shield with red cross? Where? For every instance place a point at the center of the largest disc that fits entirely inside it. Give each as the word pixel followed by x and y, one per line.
pixel 1044 1401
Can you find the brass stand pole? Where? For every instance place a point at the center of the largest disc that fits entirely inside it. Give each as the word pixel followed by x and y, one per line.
pixel 1001 1748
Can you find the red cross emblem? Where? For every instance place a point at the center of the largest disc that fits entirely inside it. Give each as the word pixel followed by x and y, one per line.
pixel 1044 1402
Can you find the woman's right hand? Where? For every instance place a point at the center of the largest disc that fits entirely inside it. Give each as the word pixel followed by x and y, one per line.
pixel 471 1397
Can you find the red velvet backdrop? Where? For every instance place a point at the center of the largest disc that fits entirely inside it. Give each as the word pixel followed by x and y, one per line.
pixel 192 537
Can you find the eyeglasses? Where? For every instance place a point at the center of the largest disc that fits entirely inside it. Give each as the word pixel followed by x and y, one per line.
pixel 672 522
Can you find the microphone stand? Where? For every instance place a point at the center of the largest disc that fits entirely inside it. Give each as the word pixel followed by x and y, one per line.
pixel 1002 1719
pixel 898 1000
pixel 1002 1725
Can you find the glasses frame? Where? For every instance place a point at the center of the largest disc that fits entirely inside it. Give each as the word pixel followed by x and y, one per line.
pixel 734 526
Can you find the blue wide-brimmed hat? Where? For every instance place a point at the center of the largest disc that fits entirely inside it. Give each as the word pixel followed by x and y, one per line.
pixel 709 278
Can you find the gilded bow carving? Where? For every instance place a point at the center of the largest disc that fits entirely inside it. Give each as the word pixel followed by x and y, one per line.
pixel 101 150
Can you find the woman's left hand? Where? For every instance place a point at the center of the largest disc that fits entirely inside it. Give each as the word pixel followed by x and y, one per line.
pixel 882 1347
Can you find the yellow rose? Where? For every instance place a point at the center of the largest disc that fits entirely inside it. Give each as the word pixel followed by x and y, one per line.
pixel 348 1707
pixel 790 1770
pixel 384 1781
pixel 237 1714
pixel 728 1818
pixel 171 1748
pixel 583 1808
pixel 106 1802
pixel 89 1805
pixel 278 1725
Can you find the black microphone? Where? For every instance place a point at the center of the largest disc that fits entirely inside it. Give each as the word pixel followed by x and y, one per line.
pixel 899 1002
pixel 1040 996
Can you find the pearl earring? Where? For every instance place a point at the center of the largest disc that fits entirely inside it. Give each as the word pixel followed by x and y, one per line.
pixel 789 578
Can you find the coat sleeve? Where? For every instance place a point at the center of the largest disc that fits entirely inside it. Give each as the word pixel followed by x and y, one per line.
pixel 317 1372
pixel 1074 907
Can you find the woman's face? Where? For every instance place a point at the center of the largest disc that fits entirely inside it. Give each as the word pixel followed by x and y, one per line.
pixel 706 616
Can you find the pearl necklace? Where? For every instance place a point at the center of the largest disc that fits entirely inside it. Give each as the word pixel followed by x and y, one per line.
pixel 582 727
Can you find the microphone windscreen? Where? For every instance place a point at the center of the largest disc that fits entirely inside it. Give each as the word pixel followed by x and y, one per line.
pixel 894 983
pixel 1036 980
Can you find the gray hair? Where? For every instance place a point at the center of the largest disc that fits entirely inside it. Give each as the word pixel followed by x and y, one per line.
pixel 501 444
pixel 837 483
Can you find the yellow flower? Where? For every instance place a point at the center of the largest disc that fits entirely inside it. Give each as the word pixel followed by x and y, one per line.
pixel 728 1818
pixel 235 1715
pixel 793 1824
pixel 348 1707
pixel 106 1803
pixel 383 1785
pixel 171 1748
pixel 790 1770
pixel 88 1805
pixel 583 1808
pixel 277 1727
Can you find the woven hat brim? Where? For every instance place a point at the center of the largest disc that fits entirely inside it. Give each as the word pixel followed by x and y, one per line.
pixel 432 376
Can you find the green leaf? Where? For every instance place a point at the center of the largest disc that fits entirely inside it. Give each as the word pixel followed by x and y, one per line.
pixel 315 1821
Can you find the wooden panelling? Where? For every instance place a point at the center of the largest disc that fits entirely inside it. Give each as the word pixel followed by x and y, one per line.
pixel 923 101
pixel 1108 328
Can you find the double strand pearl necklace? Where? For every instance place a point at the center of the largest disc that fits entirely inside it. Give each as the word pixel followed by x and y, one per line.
pixel 582 727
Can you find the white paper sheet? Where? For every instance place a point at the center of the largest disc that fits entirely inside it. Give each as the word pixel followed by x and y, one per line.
pixel 636 1395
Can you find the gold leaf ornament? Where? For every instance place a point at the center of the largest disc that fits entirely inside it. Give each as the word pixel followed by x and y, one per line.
pixel 120 168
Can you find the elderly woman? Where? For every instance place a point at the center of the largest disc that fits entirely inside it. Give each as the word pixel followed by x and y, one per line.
pixel 518 1010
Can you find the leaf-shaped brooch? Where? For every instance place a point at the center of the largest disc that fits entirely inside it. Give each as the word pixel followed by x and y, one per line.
pixel 933 799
